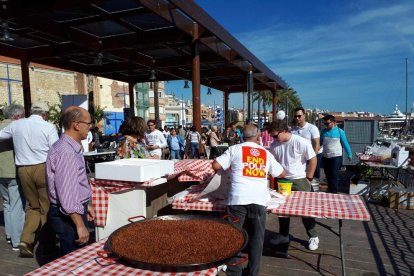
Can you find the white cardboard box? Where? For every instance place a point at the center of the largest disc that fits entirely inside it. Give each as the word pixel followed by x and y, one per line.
pixel 130 203
pixel 166 166
pixel 128 170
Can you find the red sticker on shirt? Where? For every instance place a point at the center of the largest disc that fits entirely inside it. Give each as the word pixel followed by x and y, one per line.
pixel 254 162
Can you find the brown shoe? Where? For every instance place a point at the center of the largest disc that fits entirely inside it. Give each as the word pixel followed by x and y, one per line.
pixel 25 250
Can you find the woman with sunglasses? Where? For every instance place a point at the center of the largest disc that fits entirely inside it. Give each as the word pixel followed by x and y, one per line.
pixel 155 140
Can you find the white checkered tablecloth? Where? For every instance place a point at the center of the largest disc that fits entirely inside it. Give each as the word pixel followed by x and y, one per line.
pixel 82 262
pixel 302 204
pixel 100 190
pixel 186 170
pixel 193 170
pixel 187 203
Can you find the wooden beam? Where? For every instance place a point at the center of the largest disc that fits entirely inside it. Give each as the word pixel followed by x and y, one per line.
pixel 27 95
pixel 196 79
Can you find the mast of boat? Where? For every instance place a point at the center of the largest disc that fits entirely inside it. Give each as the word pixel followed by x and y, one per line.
pixel 406 93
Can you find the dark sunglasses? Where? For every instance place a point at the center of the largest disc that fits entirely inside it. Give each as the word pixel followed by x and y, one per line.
pixel 327 123
pixel 297 116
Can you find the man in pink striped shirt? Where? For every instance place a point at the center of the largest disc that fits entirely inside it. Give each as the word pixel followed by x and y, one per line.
pixel 68 186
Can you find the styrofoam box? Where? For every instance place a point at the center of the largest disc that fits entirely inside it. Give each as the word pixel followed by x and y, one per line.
pixel 138 170
pixel 166 166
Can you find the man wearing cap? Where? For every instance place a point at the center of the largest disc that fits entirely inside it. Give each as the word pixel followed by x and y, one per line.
pixel 293 153
pixel 13 199
pixel 32 138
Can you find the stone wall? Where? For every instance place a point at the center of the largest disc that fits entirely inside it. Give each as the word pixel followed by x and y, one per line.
pixel 44 84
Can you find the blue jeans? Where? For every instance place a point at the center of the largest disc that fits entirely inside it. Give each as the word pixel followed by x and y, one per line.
pixel 256 217
pixel 331 167
pixel 13 208
pixel 175 154
pixel 195 150
pixel 65 229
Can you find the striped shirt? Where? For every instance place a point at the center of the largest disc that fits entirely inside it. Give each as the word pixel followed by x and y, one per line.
pixel 67 181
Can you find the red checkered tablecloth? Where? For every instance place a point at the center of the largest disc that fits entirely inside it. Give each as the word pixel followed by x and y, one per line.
pixel 186 170
pixel 193 170
pixel 303 204
pixel 187 203
pixel 82 262
pixel 100 190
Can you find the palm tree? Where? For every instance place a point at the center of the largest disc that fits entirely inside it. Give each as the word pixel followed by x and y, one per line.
pixel 267 100
pixel 293 100
pixel 256 98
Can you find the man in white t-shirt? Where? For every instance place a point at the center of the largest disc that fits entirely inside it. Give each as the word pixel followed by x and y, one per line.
pixel 250 163
pixel 311 133
pixel 154 140
pixel 293 153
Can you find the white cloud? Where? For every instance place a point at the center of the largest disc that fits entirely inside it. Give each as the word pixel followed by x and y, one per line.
pixel 361 52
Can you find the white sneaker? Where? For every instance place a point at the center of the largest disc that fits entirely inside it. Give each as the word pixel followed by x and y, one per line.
pixel 315 181
pixel 313 243
pixel 279 239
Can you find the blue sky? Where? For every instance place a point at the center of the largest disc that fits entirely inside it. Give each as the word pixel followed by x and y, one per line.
pixel 339 55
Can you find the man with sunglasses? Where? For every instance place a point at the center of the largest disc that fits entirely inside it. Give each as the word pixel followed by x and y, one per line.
pixel 309 132
pixel 333 139
pixel 298 159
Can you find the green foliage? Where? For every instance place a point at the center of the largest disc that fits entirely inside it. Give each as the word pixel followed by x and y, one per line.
pixel 55 112
pixel 266 97
pixel 2 107
pixel 365 171
pixel 99 113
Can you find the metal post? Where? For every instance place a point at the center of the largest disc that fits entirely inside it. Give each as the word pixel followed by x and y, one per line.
pixel 406 93
pixel 250 93
pixel 156 105
pixel 287 110
pixel 341 247
pixel 8 85
pixel 183 119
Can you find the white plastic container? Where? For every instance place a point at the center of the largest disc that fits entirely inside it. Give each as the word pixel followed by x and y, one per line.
pixel 126 170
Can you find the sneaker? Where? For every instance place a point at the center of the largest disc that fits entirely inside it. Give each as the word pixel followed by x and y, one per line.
pixel 313 243
pixel 8 240
pixel 279 239
pixel 15 248
pixel 25 250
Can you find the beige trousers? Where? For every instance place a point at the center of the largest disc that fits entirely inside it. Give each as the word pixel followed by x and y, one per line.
pixel 33 181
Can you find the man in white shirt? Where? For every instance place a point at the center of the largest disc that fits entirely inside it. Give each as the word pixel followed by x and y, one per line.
pixel 250 163
pixel 293 153
pixel 311 133
pixel 32 138
pixel 154 140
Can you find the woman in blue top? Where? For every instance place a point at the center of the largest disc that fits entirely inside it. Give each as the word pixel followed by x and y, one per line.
pixel 332 140
pixel 175 143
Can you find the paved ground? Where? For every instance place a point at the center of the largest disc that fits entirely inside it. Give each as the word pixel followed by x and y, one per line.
pixel 382 246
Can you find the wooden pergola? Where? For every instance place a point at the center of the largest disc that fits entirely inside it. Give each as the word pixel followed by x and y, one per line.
pixel 131 41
